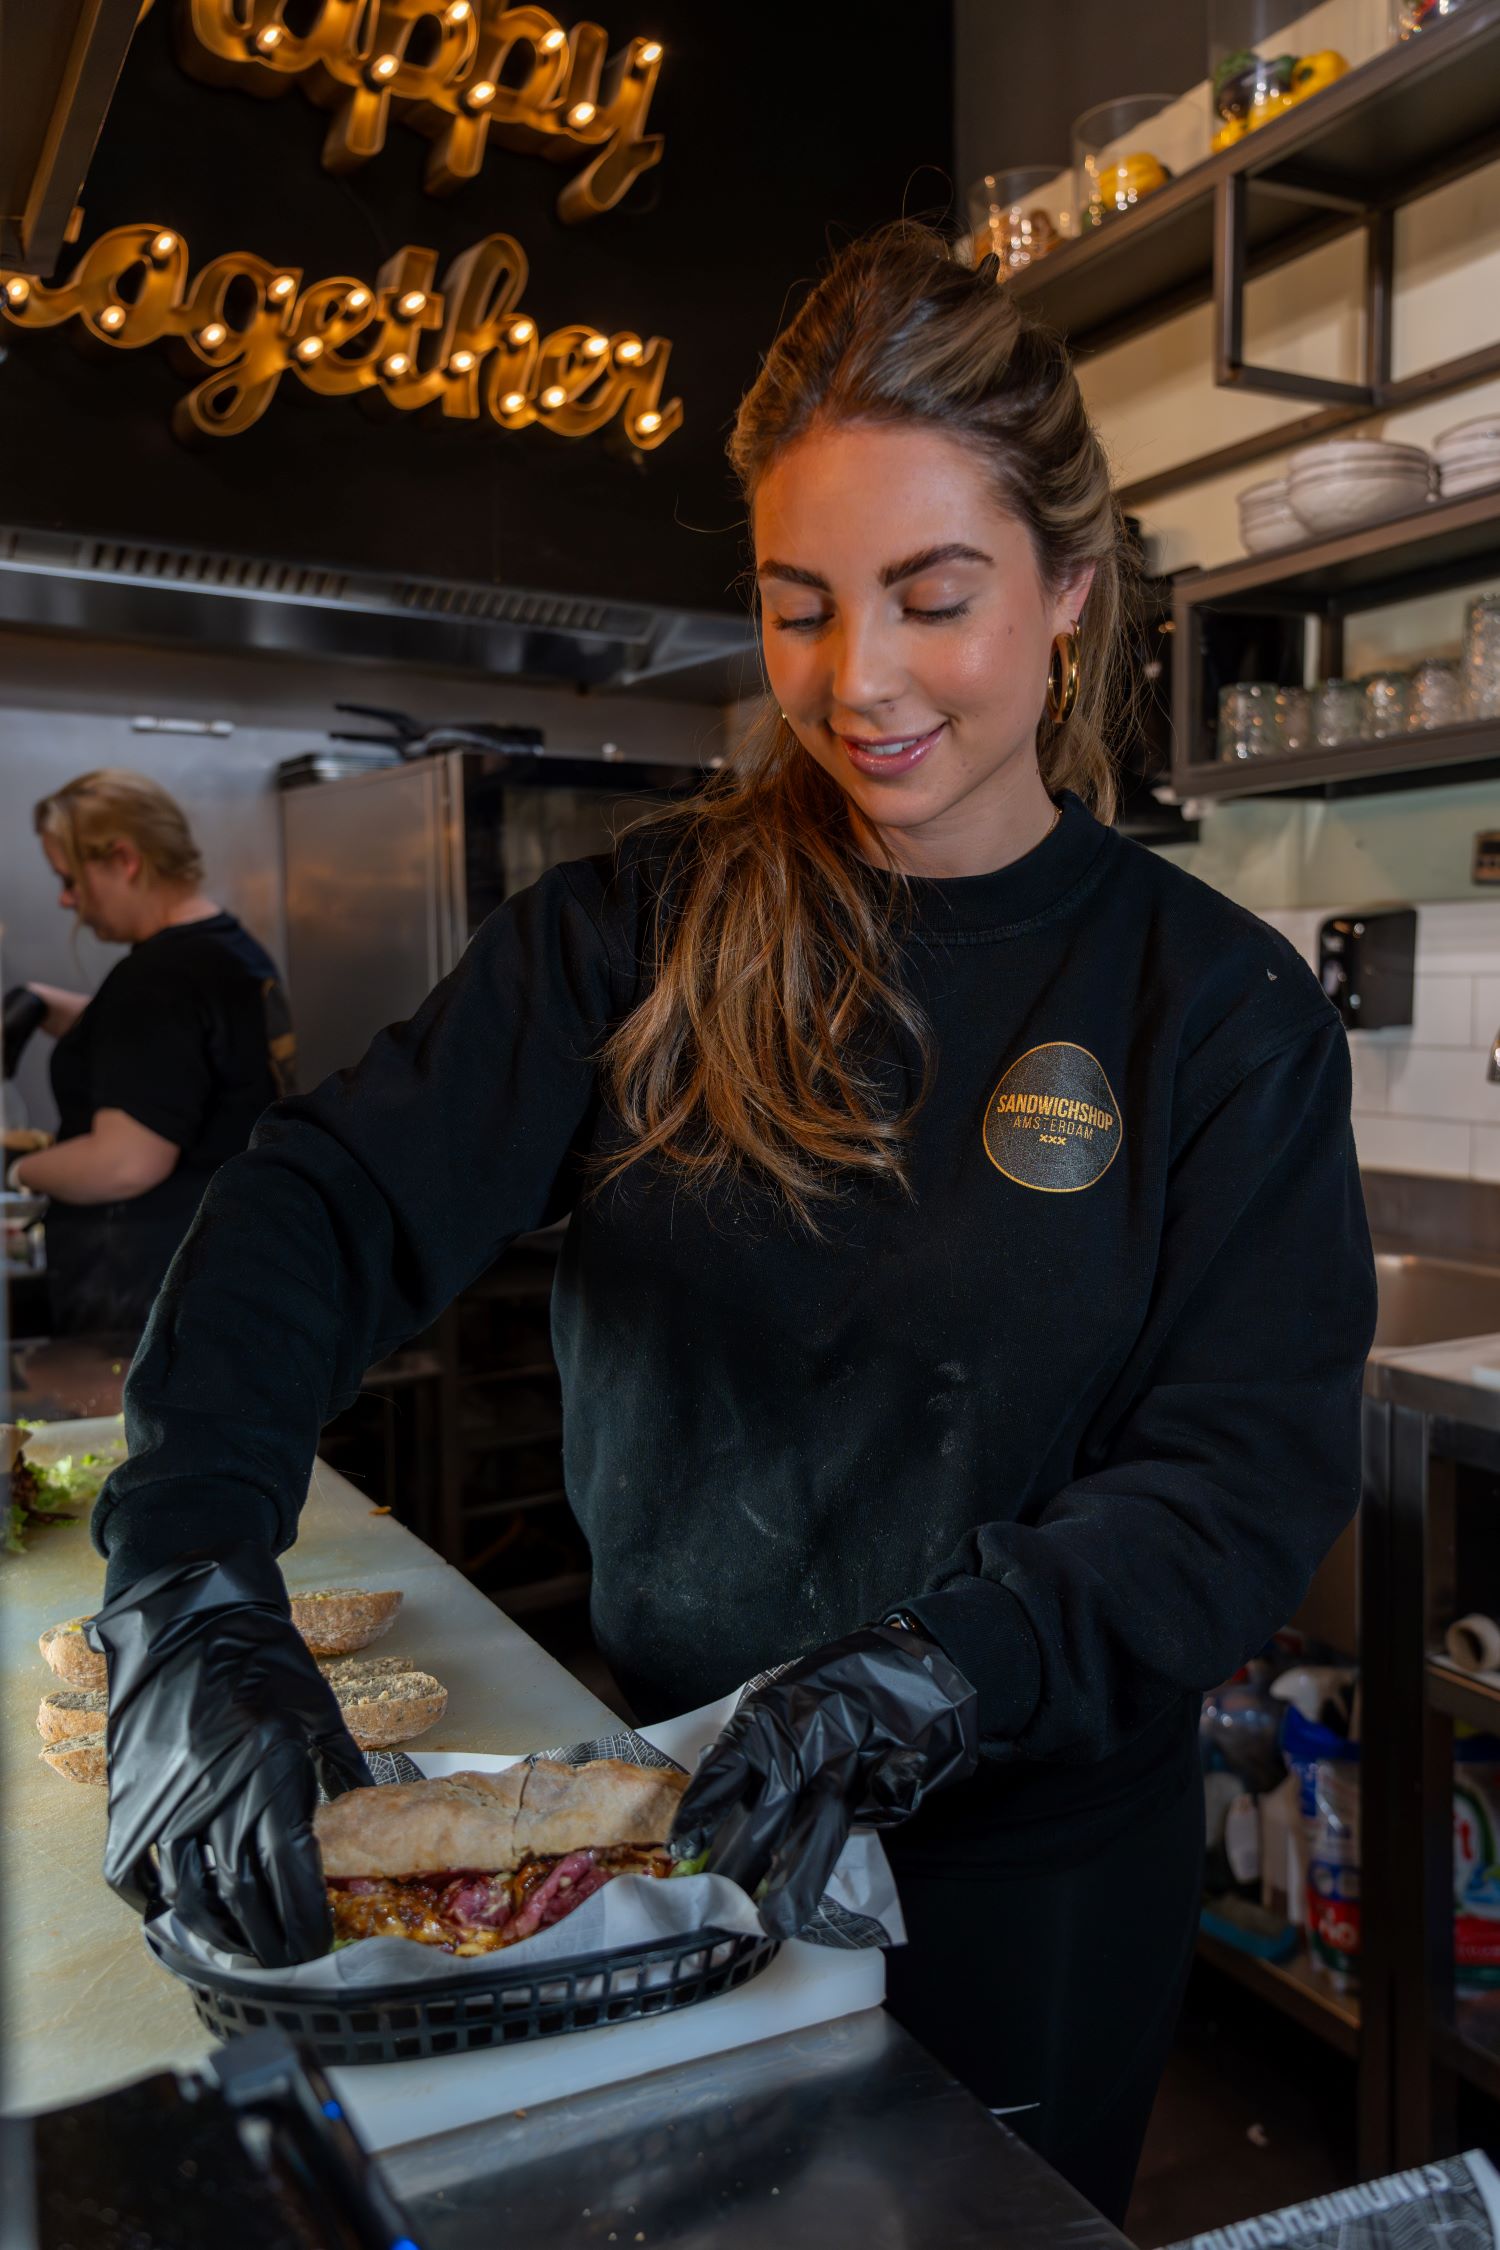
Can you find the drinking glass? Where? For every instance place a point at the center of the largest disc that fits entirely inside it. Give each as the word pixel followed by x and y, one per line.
pixel 1482 657
pixel 1387 700
pixel 1437 694
pixel 1338 713
pixel 1294 720
pixel 1247 720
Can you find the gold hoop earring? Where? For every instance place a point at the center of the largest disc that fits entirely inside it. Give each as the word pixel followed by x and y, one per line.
pixel 1062 676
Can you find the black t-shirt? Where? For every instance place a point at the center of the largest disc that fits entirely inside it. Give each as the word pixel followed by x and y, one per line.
pixel 191 1036
pixel 1087 1401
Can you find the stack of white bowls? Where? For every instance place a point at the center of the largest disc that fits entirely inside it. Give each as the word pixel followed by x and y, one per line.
pixel 1266 519
pixel 1348 482
pixel 1468 457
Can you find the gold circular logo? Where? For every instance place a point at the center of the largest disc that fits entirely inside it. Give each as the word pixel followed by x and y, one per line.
pixel 1053 1122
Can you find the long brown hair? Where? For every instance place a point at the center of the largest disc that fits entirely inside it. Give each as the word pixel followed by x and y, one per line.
pixel 775 958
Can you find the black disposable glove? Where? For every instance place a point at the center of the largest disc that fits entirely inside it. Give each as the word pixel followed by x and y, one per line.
pixel 861 1730
pixel 23 1012
pixel 219 1725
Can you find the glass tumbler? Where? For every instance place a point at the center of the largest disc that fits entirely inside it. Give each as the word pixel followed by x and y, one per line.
pixel 1482 657
pixel 1338 713
pixel 1437 694
pixel 1020 215
pixel 1387 700
pixel 1247 720
pixel 1294 720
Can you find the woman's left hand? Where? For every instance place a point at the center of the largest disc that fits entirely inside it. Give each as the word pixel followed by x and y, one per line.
pixel 861 1730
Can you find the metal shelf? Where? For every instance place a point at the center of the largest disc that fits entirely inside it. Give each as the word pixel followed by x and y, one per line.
pixel 1411 117
pixel 1413 553
pixel 1464 753
pixel 1295 1987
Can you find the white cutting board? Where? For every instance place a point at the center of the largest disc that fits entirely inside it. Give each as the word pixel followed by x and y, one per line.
pixel 391 2103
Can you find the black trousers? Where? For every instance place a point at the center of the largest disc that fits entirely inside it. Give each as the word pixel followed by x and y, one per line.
pixel 1051 1990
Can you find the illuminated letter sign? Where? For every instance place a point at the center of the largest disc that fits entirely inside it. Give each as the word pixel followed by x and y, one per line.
pixel 465 350
pixel 452 73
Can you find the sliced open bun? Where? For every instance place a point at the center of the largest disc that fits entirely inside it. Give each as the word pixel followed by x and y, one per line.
pixel 387 1707
pixel 337 1669
pixel 491 1821
pixel 342 1618
pixel 71 1711
pixel 81 1759
pixel 70 1656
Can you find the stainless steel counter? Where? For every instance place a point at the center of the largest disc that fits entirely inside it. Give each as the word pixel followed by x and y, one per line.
pixel 846 2134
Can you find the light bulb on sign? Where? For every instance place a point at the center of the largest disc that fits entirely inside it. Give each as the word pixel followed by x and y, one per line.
pixel 651 52
pixel 17 291
pixel 582 113
pixel 553 41
pixel 269 39
pixel 411 304
pixel 522 331
pixel 629 349
pixel 357 299
pixel 310 348
pixel 554 395
pixel 281 288
pixel 164 245
pixel 461 362
pixel 459 12
pixel 595 345
pixel 384 68
pixel 648 422
pixel 112 318
pixel 513 402
pixel 213 335
pixel 397 364
pixel 481 93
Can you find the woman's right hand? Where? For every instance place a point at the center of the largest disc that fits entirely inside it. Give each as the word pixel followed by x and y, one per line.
pixel 220 1727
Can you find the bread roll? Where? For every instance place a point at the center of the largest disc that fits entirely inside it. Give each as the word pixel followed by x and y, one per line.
pixel 81 1759
pixel 70 1656
pixel 492 1821
pixel 71 1711
pixel 342 1618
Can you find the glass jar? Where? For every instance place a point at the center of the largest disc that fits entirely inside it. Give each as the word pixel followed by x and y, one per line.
pixel 1116 162
pixel 1408 17
pixel 1019 215
pixel 1338 713
pixel 1247 720
pixel 1387 701
pixel 1257 66
pixel 1294 720
pixel 1481 659
pixel 1437 694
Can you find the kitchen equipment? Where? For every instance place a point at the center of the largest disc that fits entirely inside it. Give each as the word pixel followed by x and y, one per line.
pixel 1338 713
pixel 1343 483
pixel 1247 719
pixel 1114 162
pixel 389 873
pixel 1020 215
pixel 1437 694
pixel 250 2151
pixel 1387 702
pixel 1367 966
pixel 1267 518
pixel 412 2022
pixel 1481 657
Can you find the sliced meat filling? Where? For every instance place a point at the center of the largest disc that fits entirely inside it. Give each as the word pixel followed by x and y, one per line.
pixel 465 1912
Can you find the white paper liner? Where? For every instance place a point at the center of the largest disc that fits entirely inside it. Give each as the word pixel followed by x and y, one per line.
pixel 860 1906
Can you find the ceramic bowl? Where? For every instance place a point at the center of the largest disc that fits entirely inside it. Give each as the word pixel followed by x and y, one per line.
pixel 1331 501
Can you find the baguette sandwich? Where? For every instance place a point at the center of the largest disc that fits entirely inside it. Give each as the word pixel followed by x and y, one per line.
pixel 479 1861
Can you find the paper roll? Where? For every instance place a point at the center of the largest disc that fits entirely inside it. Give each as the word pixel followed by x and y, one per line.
pixel 1474 1643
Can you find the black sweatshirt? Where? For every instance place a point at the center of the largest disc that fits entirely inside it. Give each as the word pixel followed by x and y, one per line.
pixel 1088 1404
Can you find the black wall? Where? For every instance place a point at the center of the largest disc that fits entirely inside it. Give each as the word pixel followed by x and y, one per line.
pixel 786 127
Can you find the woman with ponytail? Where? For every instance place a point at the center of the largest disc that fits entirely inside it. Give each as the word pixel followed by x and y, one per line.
pixel 965 1298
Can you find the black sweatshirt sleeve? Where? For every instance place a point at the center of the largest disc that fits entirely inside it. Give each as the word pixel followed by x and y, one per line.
pixel 358 1212
pixel 1225 1462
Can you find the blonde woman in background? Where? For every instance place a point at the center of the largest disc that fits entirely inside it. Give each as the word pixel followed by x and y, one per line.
pixel 161 1075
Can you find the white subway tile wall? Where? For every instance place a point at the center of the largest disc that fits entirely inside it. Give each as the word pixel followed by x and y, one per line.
pixel 1422 1102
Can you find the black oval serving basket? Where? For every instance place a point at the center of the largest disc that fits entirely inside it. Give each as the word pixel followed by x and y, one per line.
pixel 456 2015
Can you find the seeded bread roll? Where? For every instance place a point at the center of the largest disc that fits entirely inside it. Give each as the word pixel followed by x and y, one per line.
pixel 389 1707
pixel 71 1711
pixel 338 1670
pixel 70 1656
pixel 81 1759
pixel 342 1618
